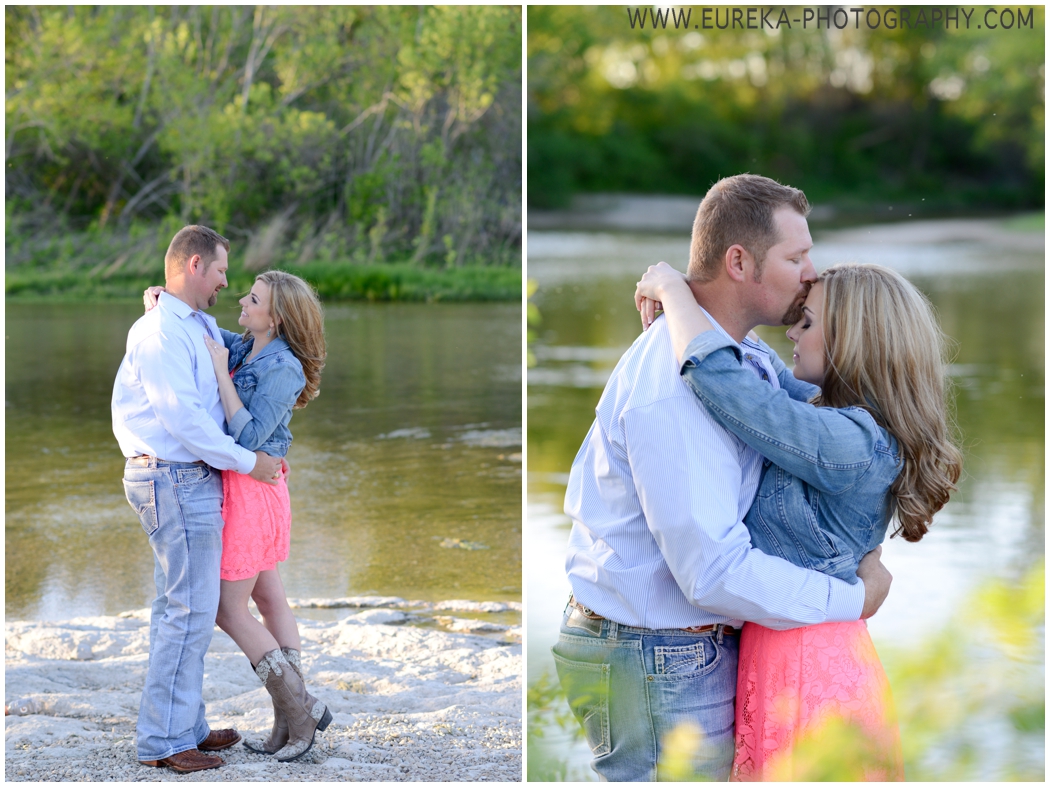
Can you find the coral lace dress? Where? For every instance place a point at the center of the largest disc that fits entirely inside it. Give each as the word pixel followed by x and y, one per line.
pixel 814 704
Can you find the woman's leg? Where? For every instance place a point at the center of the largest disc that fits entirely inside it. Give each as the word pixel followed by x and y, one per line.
pixel 235 619
pixel 269 596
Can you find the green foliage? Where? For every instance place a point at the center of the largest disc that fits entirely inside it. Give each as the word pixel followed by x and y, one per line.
pixel 392 125
pixel 107 264
pixel 533 319
pixel 547 711
pixel 952 116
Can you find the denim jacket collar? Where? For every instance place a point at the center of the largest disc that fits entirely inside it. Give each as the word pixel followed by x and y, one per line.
pixel 276 345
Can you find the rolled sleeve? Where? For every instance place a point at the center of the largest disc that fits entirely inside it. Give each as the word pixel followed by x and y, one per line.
pixel 238 422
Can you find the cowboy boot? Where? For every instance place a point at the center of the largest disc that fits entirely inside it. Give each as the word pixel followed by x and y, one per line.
pixel 279 734
pixel 303 713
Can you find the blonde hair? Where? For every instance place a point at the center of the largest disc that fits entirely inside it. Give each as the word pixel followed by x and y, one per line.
pixel 885 352
pixel 299 318
pixel 738 209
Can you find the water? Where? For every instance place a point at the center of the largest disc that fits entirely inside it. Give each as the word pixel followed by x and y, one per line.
pixel 990 302
pixel 414 441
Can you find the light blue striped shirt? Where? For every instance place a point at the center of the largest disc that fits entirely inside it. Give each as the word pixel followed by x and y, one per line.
pixel 657 495
pixel 165 398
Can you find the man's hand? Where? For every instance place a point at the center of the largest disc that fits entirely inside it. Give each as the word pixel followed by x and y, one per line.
pixel 267 468
pixel 876 581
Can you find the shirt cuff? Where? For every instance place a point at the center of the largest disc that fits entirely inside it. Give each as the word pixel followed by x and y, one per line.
pixel 705 344
pixel 845 601
pixel 245 461
pixel 238 422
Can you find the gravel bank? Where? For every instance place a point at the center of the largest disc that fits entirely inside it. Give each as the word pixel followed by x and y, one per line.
pixel 410 703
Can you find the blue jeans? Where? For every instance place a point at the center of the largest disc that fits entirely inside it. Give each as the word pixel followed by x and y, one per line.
pixel 180 508
pixel 630 687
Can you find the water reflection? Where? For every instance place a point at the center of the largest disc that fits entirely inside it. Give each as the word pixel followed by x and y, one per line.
pixel 990 304
pixel 440 383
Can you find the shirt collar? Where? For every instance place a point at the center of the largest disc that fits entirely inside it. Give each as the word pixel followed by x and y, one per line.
pixel 180 308
pixel 751 345
pixel 718 327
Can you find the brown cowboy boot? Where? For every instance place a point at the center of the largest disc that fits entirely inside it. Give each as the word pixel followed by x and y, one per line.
pixel 279 734
pixel 303 713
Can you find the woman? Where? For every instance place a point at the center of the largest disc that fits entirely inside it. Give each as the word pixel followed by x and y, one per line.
pixel 871 443
pixel 263 375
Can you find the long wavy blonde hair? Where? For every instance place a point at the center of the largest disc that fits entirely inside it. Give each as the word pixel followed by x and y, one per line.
pixel 299 319
pixel 885 352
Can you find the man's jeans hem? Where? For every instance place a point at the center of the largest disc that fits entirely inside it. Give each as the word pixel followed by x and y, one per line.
pixel 630 688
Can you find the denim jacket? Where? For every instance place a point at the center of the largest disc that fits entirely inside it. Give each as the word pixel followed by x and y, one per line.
pixel 268 386
pixel 824 499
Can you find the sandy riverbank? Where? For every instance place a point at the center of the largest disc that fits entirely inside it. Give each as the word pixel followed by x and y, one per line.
pixel 411 702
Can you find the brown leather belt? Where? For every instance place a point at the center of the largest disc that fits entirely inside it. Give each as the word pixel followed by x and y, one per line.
pixel 692 629
pixel 147 456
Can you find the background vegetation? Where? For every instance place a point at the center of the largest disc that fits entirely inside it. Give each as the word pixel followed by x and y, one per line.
pixel 946 119
pixel 313 137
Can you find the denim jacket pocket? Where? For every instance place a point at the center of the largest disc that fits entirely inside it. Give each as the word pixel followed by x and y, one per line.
pixel 245 382
pixel 143 500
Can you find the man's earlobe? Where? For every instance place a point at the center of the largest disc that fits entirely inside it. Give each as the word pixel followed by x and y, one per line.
pixel 736 262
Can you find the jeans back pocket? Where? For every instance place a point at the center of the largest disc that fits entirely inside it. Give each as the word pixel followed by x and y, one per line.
pixel 587 690
pixel 143 500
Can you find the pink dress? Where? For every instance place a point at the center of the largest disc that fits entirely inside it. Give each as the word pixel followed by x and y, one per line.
pixel 257 525
pixel 814 704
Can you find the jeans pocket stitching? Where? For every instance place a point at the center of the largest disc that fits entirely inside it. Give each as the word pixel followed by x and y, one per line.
pixel 707 667
pixel 696 651
pixel 185 476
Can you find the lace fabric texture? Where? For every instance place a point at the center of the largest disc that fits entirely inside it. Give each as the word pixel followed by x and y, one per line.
pixel 814 704
pixel 257 525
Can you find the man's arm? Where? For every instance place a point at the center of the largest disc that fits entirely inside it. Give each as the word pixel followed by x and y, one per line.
pixel 165 369
pixel 687 475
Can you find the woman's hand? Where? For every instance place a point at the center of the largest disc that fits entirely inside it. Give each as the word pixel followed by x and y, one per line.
pixel 150 296
pixel 220 357
pixel 650 292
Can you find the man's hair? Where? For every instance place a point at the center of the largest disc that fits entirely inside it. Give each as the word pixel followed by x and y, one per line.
pixel 189 241
pixel 738 210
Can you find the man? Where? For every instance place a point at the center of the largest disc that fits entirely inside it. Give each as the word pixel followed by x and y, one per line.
pixel 661 565
pixel 169 422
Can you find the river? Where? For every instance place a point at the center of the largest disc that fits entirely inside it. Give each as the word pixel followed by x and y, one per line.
pixel 411 452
